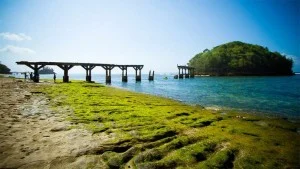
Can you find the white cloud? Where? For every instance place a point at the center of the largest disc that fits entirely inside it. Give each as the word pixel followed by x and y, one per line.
pixel 17 50
pixel 14 37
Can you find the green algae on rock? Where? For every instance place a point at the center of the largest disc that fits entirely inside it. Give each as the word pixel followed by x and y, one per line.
pixel 156 132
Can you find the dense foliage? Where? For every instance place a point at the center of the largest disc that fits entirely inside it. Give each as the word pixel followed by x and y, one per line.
pixel 4 69
pixel 46 70
pixel 238 58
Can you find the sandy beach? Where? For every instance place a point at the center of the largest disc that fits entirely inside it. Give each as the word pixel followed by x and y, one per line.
pixel 34 136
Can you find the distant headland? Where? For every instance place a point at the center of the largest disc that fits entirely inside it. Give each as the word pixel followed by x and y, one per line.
pixel 46 70
pixel 238 58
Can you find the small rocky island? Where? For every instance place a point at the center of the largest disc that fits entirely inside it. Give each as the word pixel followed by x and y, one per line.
pixel 238 58
pixel 46 70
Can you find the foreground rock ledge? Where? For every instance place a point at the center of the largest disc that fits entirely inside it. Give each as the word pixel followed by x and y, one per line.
pixel 81 125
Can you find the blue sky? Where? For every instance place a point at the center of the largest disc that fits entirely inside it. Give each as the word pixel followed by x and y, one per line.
pixel 158 34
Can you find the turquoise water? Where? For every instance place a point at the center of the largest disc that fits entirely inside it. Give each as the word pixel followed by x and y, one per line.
pixel 278 96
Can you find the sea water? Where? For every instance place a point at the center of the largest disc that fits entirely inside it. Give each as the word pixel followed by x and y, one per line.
pixel 275 95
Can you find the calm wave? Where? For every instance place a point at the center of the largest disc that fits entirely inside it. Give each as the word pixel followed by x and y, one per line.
pixel 279 96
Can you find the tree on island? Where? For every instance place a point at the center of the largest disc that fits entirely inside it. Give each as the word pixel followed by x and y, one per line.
pixel 4 69
pixel 238 58
pixel 46 70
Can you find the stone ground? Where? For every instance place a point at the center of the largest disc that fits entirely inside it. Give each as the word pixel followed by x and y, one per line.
pixel 35 133
pixel 34 136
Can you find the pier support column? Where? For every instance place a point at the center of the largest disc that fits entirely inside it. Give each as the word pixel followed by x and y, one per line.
pixel 124 73
pixel 66 68
pixel 190 72
pixel 36 68
pixel 187 75
pixel 138 72
pixel 108 69
pixel 151 77
pixel 180 73
pixel 88 69
pixel 124 76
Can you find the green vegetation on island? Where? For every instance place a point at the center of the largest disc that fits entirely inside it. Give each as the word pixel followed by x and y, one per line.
pixel 46 70
pixel 4 69
pixel 238 58
pixel 153 132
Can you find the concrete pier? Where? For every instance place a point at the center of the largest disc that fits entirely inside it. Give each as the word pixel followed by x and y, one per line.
pixel 88 69
pixel 188 72
pixel 108 69
pixel 124 72
pixel 66 66
pixel 138 73
pixel 180 74
pixel 151 76
pixel 187 75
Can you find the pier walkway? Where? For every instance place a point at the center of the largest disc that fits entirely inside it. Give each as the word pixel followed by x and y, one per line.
pixel 189 72
pixel 66 66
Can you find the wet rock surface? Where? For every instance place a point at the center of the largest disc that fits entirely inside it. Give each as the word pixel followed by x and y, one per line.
pixel 80 125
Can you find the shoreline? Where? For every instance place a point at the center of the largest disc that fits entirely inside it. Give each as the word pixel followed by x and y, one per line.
pixel 284 106
pixel 262 114
pixel 268 114
pixel 109 127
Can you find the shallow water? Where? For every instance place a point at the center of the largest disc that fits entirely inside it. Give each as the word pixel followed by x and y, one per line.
pixel 279 96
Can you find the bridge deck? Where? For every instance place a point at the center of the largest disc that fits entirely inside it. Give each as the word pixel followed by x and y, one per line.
pixel 87 66
pixel 72 63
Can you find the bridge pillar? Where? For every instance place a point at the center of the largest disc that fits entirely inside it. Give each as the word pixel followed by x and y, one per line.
pixel 36 76
pixel 151 77
pixel 108 69
pixel 138 72
pixel 124 77
pixel 180 73
pixel 187 75
pixel 124 73
pixel 88 69
pixel 36 68
pixel 66 68
pixel 188 72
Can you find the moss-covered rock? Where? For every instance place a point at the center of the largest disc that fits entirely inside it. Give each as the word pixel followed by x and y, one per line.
pixel 155 132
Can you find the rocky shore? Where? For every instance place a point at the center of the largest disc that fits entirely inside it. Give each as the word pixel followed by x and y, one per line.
pixel 84 125
pixel 32 135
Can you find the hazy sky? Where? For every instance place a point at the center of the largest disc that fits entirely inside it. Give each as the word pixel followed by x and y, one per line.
pixel 159 34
